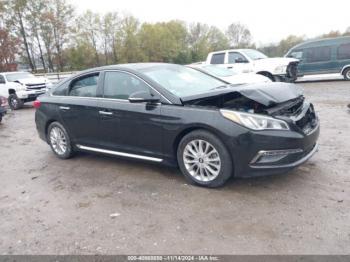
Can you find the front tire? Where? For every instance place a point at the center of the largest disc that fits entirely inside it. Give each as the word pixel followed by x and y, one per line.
pixel 14 102
pixel 347 74
pixel 204 159
pixel 59 141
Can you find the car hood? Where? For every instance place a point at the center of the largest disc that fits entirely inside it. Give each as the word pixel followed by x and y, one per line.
pixel 246 78
pixel 266 94
pixel 32 80
pixel 277 61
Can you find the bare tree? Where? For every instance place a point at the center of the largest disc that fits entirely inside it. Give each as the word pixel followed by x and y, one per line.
pixel 61 16
pixel 8 50
pixel 17 10
pixel 35 9
pixel 88 29
pixel 239 35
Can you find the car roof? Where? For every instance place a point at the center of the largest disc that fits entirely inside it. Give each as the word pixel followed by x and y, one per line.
pixel 322 42
pixel 231 50
pixel 128 67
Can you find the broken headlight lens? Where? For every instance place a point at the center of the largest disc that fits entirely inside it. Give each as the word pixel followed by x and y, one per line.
pixel 280 70
pixel 254 121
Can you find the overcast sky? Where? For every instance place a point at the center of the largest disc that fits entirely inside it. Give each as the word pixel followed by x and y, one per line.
pixel 268 20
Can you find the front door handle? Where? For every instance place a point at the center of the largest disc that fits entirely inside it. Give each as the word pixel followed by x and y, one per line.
pixel 64 107
pixel 105 113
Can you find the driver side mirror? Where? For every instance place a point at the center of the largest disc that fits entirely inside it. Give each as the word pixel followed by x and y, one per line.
pixel 143 96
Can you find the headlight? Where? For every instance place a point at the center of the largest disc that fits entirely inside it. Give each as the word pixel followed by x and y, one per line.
pixel 280 69
pixel 254 121
pixel 21 87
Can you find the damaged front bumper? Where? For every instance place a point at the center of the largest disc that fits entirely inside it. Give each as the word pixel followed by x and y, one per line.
pixel 273 152
pixel 30 95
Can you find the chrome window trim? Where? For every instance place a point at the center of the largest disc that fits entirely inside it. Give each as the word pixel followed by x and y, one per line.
pixel 117 153
pixel 112 99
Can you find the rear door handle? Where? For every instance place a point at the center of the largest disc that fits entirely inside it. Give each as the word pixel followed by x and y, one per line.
pixel 105 113
pixel 64 107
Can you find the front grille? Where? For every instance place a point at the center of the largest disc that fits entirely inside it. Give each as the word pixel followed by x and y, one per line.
pixel 309 121
pixel 35 86
pixel 292 70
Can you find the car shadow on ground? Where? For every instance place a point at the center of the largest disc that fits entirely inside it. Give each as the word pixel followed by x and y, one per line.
pixel 161 174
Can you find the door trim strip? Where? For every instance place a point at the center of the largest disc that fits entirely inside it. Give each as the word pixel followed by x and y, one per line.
pixel 117 153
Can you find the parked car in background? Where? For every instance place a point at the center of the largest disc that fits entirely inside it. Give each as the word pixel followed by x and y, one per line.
pixel 323 56
pixel 21 87
pixel 230 75
pixel 2 107
pixel 173 114
pixel 252 61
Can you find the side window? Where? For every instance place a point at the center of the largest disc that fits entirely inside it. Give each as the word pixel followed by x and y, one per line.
pixel 218 58
pixel 85 86
pixel 234 57
pixel 60 90
pixel 298 54
pixel 2 80
pixel 119 85
pixel 343 51
pixel 318 54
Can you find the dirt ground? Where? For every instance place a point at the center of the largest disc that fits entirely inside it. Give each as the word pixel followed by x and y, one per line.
pixel 51 206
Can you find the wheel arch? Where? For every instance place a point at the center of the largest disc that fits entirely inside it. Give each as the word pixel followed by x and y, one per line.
pixel 267 74
pixel 192 128
pixel 344 69
pixel 11 91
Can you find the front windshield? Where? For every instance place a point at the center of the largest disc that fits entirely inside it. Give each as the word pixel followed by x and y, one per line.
pixel 254 54
pixel 182 81
pixel 17 76
pixel 219 71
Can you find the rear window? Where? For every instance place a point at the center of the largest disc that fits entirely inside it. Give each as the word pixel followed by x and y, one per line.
pixel 343 51
pixel 218 58
pixel 318 54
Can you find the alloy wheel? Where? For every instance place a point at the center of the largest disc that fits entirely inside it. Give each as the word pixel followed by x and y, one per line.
pixel 202 160
pixel 58 140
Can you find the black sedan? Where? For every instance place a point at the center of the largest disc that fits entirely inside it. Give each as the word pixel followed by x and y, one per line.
pixel 177 115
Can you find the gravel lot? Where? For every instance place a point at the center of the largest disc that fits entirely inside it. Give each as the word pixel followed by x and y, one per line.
pixel 50 206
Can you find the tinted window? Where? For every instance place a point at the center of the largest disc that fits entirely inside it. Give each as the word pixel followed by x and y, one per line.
pixel 344 51
pixel 298 54
pixel 233 56
pixel 85 86
pixel 60 90
pixel 218 58
pixel 2 80
pixel 121 85
pixel 318 54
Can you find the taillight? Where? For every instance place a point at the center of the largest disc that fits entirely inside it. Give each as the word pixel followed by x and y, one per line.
pixel 37 104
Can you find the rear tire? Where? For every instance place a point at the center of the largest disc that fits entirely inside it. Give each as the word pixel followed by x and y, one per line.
pixel 14 102
pixel 59 141
pixel 347 74
pixel 204 160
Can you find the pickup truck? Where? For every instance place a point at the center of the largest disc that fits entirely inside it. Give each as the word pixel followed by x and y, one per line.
pixel 252 61
pixel 22 87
